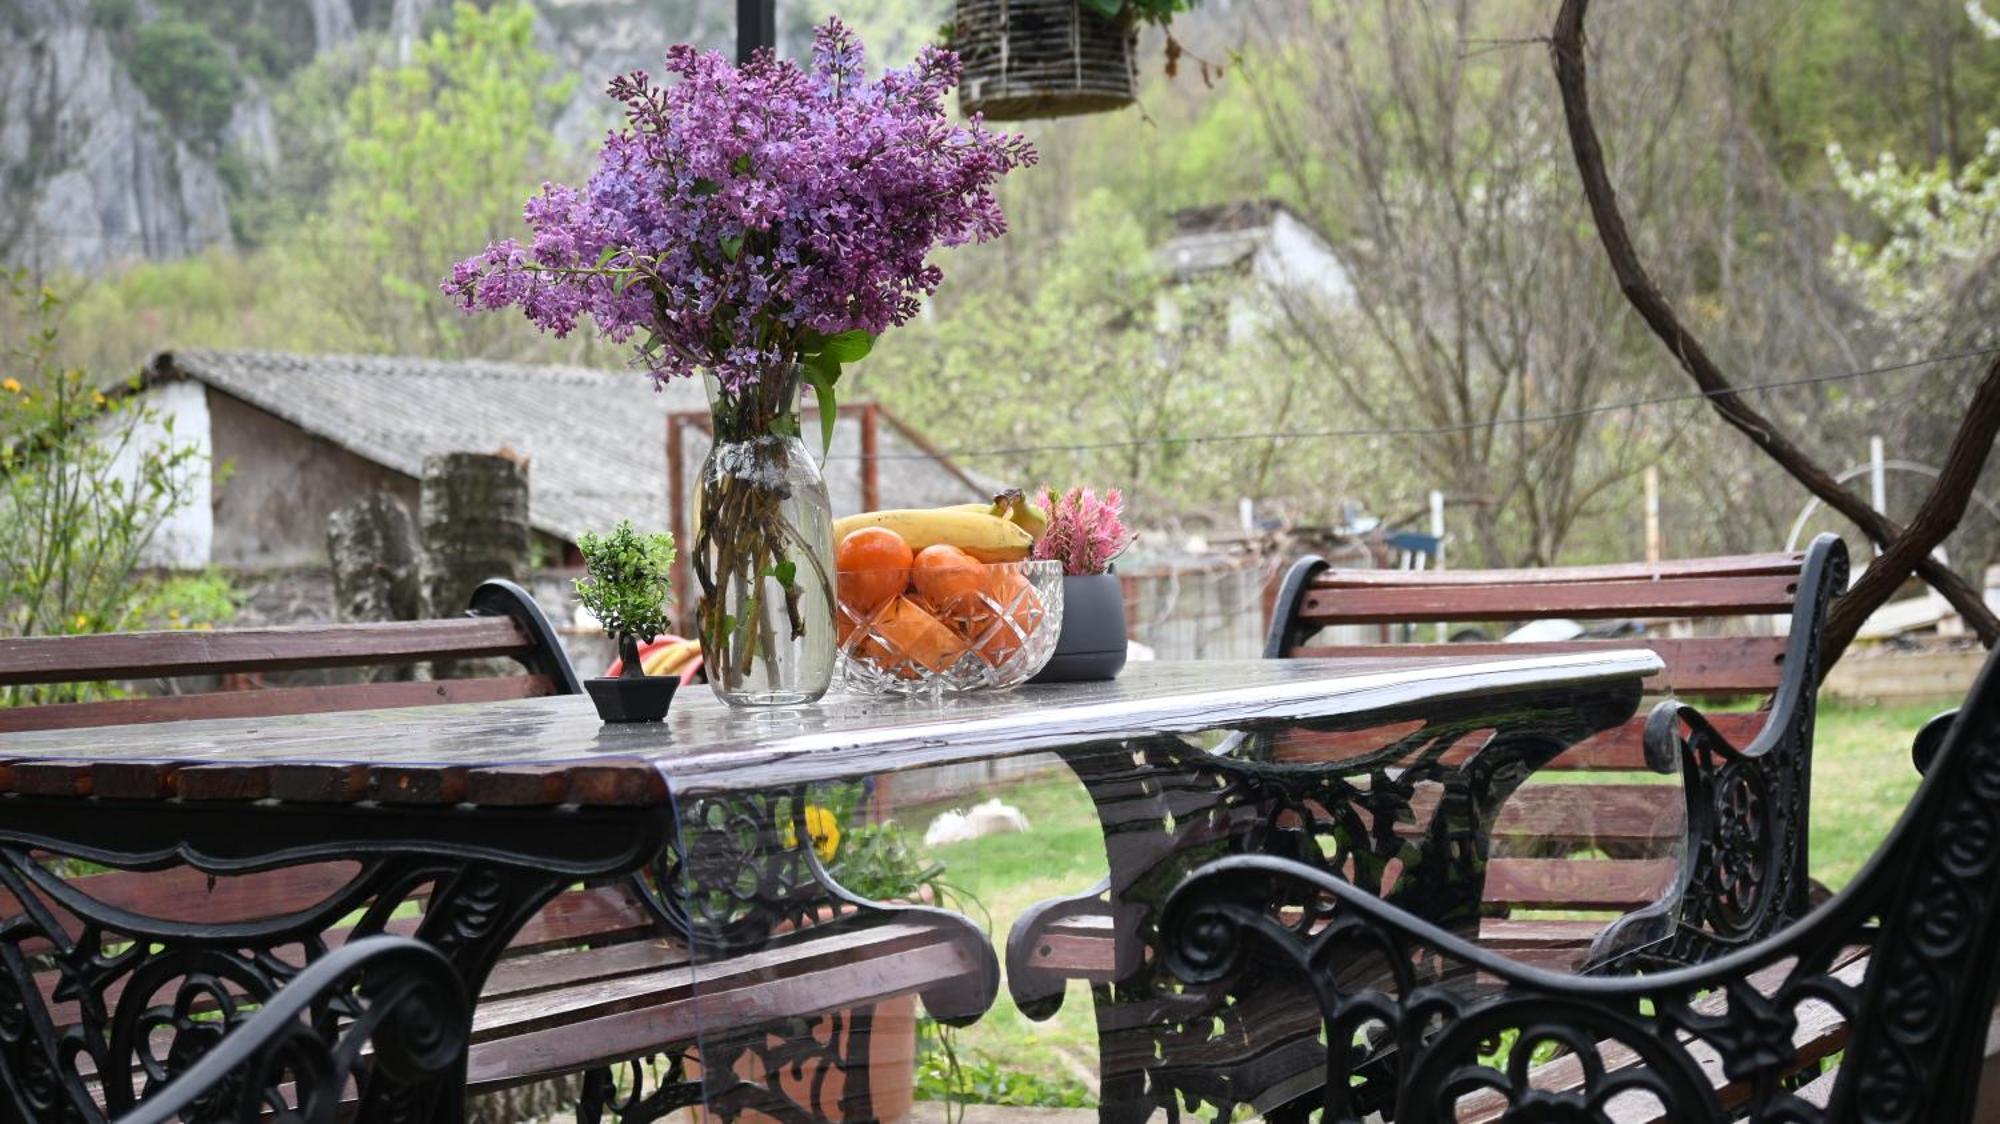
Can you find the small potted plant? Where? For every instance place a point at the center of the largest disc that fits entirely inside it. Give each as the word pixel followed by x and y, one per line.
pixel 1052 58
pixel 1086 533
pixel 628 582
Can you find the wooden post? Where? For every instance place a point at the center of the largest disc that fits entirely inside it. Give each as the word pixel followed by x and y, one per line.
pixel 871 473
pixel 1652 513
pixel 473 524
pixel 372 544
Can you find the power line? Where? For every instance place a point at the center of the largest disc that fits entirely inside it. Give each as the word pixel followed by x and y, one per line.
pixel 1434 431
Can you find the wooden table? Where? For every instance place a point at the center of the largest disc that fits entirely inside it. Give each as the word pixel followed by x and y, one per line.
pixel 501 806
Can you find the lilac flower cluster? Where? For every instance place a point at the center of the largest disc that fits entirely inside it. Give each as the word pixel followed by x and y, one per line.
pixel 1085 533
pixel 746 216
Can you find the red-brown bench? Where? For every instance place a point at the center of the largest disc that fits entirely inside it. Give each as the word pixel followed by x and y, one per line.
pixel 1894 978
pixel 1563 845
pixel 598 978
pixel 1690 888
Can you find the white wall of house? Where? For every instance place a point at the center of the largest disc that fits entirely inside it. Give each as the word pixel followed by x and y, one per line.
pixel 176 415
pixel 1297 261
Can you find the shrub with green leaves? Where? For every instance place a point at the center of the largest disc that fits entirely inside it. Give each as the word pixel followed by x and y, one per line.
pixel 628 583
pixel 88 477
pixel 1159 12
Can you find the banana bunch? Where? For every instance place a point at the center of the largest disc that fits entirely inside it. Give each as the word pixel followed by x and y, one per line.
pixel 1002 531
pixel 671 659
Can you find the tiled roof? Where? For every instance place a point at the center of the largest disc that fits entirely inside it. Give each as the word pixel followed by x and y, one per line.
pixel 595 440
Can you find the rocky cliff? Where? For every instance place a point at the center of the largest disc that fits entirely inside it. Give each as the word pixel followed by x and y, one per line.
pixel 98 171
pixel 92 173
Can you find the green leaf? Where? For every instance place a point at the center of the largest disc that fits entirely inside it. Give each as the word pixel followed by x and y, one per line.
pixel 732 246
pixel 786 572
pixel 850 346
pixel 705 187
pixel 741 165
pixel 604 258
pixel 821 373
pixel 625 282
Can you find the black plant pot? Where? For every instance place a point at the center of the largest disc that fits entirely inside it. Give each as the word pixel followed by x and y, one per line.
pixel 643 698
pixel 1091 645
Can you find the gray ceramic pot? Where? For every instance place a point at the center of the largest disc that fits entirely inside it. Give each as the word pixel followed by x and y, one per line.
pixel 1091 645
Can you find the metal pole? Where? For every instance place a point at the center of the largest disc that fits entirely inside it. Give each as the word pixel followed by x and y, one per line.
pixel 756 26
pixel 1878 481
pixel 1652 513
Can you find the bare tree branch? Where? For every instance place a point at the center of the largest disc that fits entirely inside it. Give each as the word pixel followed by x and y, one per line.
pixel 1906 549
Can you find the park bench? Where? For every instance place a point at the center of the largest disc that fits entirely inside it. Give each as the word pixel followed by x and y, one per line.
pixel 600 978
pixel 1563 845
pixel 1894 978
pixel 1693 875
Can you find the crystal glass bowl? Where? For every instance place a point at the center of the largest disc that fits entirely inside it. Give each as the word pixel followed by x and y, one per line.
pixel 974 628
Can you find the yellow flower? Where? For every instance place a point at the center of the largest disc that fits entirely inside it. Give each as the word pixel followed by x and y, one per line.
pixel 82 622
pixel 824 828
pixel 97 397
pixel 11 385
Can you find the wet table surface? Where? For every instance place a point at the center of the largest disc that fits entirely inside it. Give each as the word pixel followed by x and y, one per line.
pixel 554 751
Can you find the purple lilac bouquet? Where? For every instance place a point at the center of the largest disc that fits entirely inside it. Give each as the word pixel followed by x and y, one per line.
pixel 746 218
pixel 1085 533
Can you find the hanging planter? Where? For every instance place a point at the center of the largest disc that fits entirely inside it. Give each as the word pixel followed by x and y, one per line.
pixel 1054 58
pixel 1043 58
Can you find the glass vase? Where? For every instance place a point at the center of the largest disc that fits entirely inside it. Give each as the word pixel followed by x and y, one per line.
pixel 763 549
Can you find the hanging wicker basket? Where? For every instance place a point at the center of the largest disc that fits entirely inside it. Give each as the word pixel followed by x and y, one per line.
pixel 1041 58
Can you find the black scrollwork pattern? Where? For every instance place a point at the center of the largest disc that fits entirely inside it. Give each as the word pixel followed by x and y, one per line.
pixel 1408 821
pixel 1744 871
pixel 1905 956
pixel 88 987
pixel 292 1060
pixel 738 872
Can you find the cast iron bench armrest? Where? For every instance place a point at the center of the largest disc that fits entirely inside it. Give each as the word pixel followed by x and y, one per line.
pixel 405 1002
pixel 1899 970
pixel 1743 870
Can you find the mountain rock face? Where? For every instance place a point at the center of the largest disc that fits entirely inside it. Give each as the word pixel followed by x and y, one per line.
pixel 92 174
pixel 95 175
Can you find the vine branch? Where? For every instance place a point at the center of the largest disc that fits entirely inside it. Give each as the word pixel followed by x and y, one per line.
pixel 1905 549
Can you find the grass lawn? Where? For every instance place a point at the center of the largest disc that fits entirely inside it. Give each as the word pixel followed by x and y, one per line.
pixel 1862 778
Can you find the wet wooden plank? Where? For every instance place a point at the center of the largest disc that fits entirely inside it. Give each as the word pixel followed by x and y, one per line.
pixel 1736 565
pixel 1583 601
pixel 1577 883
pixel 272 702
pixel 147 655
pixel 1722 664
pixel 705 746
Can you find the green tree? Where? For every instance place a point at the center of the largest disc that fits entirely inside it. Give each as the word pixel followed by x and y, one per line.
pixel 187 74
pixel 87 479
pixel 436 156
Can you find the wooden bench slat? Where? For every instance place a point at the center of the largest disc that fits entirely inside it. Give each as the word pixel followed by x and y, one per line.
pixel 1725 565
pixel 1577 883
pixel 149 655
pixel 271 702
pixel 1619 749
pixel 542 1035
pixel 1731 664
pixel 1586 601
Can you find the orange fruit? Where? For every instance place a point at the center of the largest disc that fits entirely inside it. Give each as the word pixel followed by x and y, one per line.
pixel 949 580
pixel 874 565
pixel 911 641
pixel 996 642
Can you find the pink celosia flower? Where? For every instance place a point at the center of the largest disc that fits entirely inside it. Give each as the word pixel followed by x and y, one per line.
pixel 744 215
pixel 1085 533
